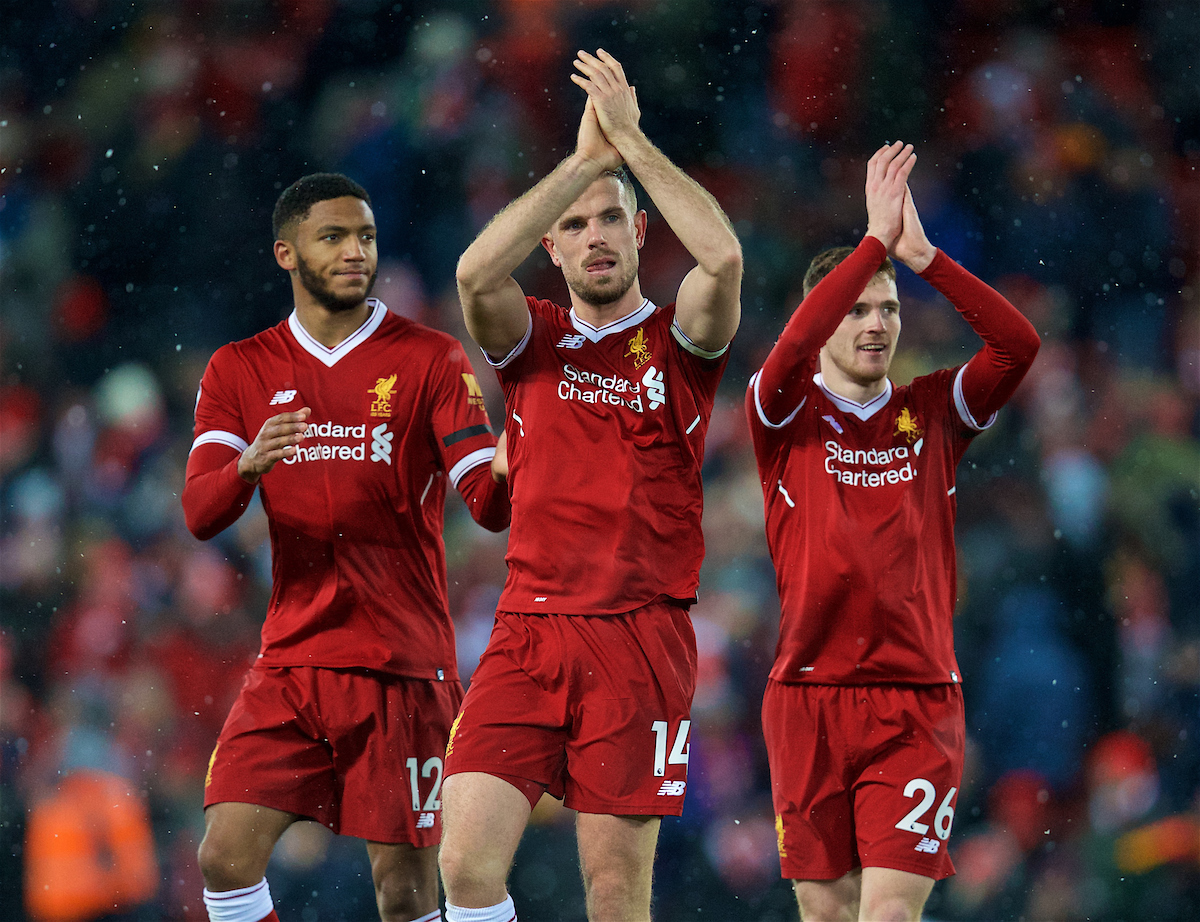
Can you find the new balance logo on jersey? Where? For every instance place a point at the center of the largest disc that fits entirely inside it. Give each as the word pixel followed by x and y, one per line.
pixel 672 789
pixel 572 341
pixel 928 846
pixel 381 444
pixel 425 821
pixel 282 397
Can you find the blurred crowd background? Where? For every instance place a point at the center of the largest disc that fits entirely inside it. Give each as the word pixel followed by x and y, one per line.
pixel 142 146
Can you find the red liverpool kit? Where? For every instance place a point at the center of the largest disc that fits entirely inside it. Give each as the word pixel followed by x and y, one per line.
pixel 358 561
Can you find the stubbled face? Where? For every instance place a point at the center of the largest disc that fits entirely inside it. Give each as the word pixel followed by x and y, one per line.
pixel 859 353
pixel 334 255
pixel 596 243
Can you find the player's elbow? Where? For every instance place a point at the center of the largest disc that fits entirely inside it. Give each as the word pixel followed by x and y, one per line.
pixel 200 526
pixel 726 263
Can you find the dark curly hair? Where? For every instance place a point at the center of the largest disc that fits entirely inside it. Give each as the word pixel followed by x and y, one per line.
pixel 826 261
pixel 297 199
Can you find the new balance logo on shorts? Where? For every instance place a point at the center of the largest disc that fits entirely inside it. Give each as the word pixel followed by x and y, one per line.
pixel 572 341
pixel 929 846
pixel 672 789
pixel 282 397
pixel 425 821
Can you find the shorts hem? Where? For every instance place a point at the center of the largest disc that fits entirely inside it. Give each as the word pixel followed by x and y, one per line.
pixel 625 809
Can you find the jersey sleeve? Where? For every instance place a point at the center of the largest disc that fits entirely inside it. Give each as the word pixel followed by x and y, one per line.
pixel 1010 342
pixel 779 387
pixel 465 439
pixel 214 496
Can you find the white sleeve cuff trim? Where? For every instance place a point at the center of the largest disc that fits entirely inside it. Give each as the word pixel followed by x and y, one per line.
pixel 759 409
pixel 517 349
pixel 682 338
pixel 216 436
pixel 964 413
pixel 474 459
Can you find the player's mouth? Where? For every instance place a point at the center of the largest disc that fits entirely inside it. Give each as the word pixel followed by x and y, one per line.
pixel 876 348
pixel 601 265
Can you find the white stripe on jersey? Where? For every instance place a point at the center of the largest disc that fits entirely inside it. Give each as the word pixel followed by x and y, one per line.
pixel 474 459
pixel 216 436
pixel 964 412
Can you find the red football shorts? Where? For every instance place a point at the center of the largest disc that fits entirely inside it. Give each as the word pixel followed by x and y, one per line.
pixel 358 751
pixel 864 776
pixel 592 708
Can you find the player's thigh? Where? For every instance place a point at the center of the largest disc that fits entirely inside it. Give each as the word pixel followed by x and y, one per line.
pixel 389 741
pixel 905 798
pixel 617 849
pixel 892 894
pixel 484 818
pixel 811 779
pixel 829 900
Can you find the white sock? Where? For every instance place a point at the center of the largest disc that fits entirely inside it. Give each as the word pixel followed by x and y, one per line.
pixel 249 904
pixel 501 912
pixel 435 916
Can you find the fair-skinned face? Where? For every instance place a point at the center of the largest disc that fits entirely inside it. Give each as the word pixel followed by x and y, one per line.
pixel 856 358
pixel 596 243
pixel 332 254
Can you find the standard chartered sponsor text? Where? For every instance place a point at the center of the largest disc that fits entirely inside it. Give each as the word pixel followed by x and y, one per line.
pixel 596 388
pixel 838 458
pixel 325 451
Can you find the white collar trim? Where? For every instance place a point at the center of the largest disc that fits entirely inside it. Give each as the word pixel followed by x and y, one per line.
pixel 330 357
pixel 595 334
pixel 863 411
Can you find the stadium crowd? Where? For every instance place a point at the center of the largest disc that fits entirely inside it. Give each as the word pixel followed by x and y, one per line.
pixel 141 147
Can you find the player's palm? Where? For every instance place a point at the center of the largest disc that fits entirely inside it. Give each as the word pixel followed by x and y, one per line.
pixel 887 176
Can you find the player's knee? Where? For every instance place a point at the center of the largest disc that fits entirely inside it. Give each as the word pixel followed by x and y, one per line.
pixel 470 878
pixel 617 892
pixel 406 892
pixel 226 864
pixel 892 909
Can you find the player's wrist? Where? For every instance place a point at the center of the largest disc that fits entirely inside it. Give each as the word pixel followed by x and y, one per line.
pixel 921 260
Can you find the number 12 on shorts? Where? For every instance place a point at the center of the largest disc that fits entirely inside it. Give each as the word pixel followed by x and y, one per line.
pixel 679 748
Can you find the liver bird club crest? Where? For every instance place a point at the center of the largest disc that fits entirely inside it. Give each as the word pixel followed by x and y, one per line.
pixel 382 405
pixel 906 425
pixel 638 349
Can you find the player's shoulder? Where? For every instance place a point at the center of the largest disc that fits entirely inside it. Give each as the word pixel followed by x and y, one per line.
pixel 935 383
pixel 544 307
pixel 262 345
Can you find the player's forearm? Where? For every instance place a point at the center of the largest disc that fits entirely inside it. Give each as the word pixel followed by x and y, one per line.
pixel 1010 341
pixel 811 325
pixel 692 212
pixel 999 324
pixel 515 232
pixel 214 496
pixel 486 498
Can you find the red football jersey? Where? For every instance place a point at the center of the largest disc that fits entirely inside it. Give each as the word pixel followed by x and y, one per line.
pixel 606 434
pixel 860 523
pixel 357 557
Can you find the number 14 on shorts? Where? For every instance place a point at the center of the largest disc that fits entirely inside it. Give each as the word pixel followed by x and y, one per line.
pixel 679 748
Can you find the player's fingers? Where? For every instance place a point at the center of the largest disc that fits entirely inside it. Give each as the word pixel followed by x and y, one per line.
pixel 612 62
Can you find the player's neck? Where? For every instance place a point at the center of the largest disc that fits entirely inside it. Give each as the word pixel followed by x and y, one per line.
pixel 330 328
pixel 856 391
pixel 599 315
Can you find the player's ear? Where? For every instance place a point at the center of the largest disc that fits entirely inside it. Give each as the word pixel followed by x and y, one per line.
pixel 285 255
pixel 639 228
pixel 548 243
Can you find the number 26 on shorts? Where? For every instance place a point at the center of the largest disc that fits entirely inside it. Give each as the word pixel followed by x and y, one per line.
pixel 942 820
pixel 679 748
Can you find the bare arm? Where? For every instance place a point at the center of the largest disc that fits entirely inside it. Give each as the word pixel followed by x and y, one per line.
pixel 493 303
pixel 708 306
